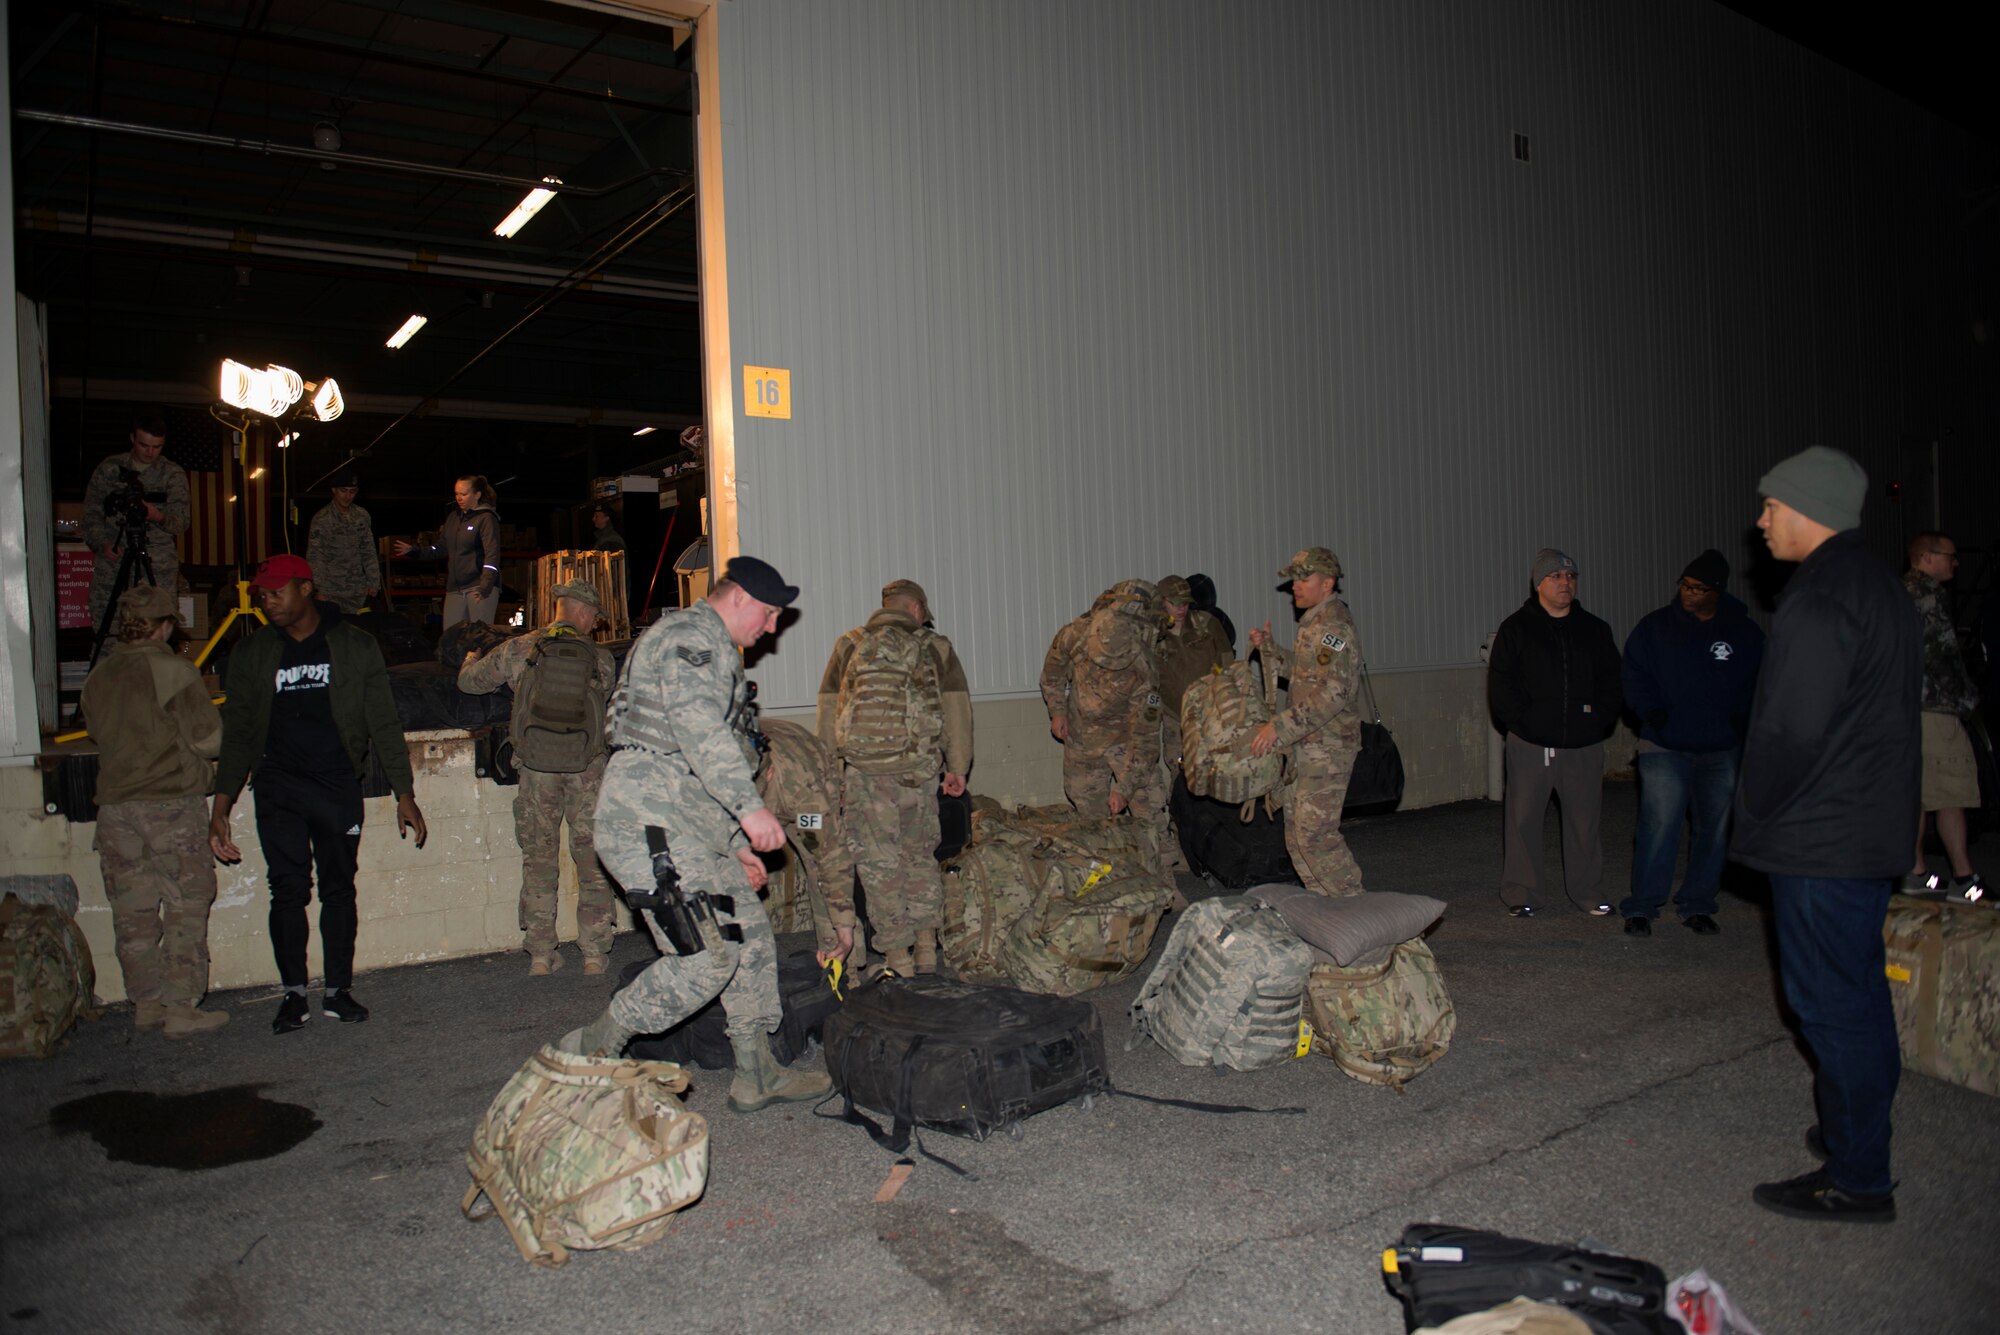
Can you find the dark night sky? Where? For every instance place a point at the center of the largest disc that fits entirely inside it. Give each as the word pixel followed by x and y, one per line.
pixel 1937 55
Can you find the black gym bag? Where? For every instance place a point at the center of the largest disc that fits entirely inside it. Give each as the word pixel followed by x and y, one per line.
pixel 703 1040
pixel 1217 841
pixel 1440 1272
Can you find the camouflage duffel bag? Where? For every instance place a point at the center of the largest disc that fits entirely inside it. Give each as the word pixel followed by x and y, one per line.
pixel 1089 927
pixel 1124 841
pixel 1383 1023
pixel 580 1153
pixel 987 888
pixel 1229 990
pixel 1943 965
pixel 46 973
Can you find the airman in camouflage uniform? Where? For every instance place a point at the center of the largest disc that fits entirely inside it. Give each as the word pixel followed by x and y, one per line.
pixel 1100 684
pixel 156 731
pixel 340 547
pixel 1320 724
pixel 800 781
pixel 894 738
pixel 546 799
pixel 166 520
pixel 681 763
pixel 1192 646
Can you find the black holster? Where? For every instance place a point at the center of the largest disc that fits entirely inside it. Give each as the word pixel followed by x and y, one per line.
pixel 688 921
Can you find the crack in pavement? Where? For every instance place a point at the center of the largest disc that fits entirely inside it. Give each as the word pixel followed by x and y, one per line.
pixel 1589 1115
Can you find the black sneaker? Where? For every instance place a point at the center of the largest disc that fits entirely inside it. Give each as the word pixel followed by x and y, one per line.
pixel 1701 925
pixel 293 1012
pixel 341 1005
pixel 1967 889
pixel 1638 927
pixel 1815 1196
pixel 1521 911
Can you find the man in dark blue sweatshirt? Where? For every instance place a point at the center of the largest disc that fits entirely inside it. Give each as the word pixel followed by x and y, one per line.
pixel 1689 671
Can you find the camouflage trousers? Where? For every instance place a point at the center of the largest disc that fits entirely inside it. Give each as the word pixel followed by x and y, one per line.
pixel 160 879
pixel 542 804
pixel 892 829
pixel 1087 783
pixel 743 973
pixel 1313 801
pixel 104 576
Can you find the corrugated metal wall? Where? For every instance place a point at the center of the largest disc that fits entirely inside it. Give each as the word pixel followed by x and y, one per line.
pixel 1073 292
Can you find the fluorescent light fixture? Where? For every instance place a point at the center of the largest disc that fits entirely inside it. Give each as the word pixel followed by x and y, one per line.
pixel 271 391
pixel 530 205
pixel 326 401
pixel 409 330
pixel 256 472
pixel 645 431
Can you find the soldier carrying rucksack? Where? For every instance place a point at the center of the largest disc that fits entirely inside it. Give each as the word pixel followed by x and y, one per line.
pixel 561 680
pixel 895 708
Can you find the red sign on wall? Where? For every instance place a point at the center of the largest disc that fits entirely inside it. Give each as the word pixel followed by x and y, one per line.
pixel 75 564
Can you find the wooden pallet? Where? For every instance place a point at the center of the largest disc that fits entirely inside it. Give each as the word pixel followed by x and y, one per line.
pixel 604 571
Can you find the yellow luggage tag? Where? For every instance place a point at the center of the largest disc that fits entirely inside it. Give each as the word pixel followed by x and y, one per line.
pixel 834 969
pixel 1305 1038
pixel 1098 871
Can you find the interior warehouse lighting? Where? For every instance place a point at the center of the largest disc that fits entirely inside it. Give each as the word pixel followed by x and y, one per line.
pixel 271 391
pixel 409 330
pixel 645 431
pixel 530 205
pixel 326 401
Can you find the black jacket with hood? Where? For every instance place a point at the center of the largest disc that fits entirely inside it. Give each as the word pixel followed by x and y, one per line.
pixel 468 542
pixel 1553 681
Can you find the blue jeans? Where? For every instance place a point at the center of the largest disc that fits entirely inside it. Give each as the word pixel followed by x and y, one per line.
pixel 1673 785
pixel 1830 955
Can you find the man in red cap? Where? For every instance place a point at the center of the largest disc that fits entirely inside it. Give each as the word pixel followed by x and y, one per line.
pixel 308 695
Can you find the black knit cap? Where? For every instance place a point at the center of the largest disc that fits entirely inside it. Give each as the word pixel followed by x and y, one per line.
pixel 761 580
pixel 1711 568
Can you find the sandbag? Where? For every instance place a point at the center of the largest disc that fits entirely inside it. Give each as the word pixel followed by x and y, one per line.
pixel 581 1153
pixel 46 974
pixel 1943 964
pixel 1089 927
pixel 1229 990
pixel 1220 844
pixel 1384 1023
pixel 962 1058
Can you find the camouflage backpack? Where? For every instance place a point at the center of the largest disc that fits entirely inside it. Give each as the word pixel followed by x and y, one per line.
pixel 46 972
pixel 1943 965
pixel 558 719
pixel 987 888
pixel 1384 1023
pixel 889 718
pixel 1220 715
pixel 579 1153
pixel 797 779
pixel 1089 927
pixel 1229 989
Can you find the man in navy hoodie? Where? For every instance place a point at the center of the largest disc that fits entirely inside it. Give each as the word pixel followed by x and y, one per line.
pixel 1689 672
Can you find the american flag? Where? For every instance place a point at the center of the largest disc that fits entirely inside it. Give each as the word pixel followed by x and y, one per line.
pixel 223 490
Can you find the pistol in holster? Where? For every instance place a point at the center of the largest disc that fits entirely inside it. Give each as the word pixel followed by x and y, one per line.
pixel 689 921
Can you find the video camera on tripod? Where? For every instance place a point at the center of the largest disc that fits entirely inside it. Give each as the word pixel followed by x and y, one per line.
pixel 127 503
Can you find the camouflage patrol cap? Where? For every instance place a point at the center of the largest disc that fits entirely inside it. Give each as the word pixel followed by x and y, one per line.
pixel 905 588
pixel 147 600
pixel 581 591
pixel 1311 561
pixel 1174 589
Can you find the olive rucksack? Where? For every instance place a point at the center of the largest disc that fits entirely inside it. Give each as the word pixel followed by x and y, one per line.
pixel 889 716
pixel 1229 990
pixel 558 720
pixel 1220 715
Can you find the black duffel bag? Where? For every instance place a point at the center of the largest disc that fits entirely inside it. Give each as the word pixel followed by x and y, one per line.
pixel 1440 1272
pixel 961 1058
pixel 1377 783
pixel 1220 843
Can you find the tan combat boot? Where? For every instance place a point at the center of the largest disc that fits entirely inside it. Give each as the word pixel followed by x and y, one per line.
pixel 925 952
pixel 185 1021
pixel 593 962
pixel 148 1014
pixel 541 966
pixel 761 1082
pixel 898 962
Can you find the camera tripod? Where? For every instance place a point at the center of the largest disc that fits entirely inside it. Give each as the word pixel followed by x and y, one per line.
pixel 135 568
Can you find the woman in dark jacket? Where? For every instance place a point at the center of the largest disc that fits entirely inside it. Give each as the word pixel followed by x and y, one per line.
pixel 468 542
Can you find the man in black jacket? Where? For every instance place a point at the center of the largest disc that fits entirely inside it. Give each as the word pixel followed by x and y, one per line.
pixel 1827 805
pixel 1552 682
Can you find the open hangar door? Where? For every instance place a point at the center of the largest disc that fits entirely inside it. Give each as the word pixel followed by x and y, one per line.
pixel 288 181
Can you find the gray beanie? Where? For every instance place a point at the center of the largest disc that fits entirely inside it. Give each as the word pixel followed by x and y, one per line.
pixel 1821 483
pixel 1548 561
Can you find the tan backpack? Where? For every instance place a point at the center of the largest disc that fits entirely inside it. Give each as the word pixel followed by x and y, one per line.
pixel 1220 716
pixel 579 1153
pixel 889 717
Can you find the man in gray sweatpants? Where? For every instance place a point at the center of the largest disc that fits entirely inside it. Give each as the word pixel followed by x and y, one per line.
pixel 1553 686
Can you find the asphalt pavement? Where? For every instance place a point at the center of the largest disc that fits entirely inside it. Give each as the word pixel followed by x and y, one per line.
pixel 1623 1090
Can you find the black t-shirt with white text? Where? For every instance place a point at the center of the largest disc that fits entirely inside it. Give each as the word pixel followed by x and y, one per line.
pixel 302 740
